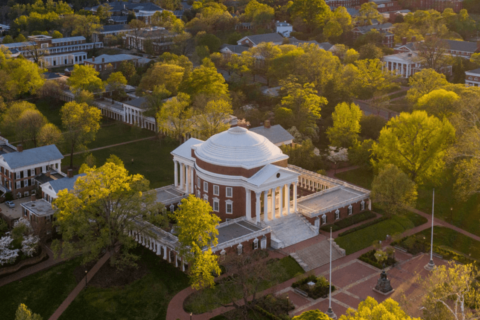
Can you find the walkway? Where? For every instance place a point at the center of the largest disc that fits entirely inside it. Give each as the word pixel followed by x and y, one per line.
pixel 79 287
pixel 50 262
pixel 110 146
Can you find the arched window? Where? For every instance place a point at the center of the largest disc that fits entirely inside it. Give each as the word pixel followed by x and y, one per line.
pixel 350 209
pixel 240 249
pixel 337 214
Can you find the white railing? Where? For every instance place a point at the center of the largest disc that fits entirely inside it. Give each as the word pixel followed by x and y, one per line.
pixel 314 174
pixel 233 242
pixel 312 213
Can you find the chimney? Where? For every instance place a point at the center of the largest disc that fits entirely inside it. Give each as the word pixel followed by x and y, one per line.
pixel 33 197
pixel 404 41
pixel 93 59
pixel 414 38
pixel 70 173
pixel 19 148
pixel 267 124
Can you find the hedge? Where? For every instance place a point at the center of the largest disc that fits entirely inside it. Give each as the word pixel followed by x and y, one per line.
pixel 266 313
pixel 363 226
pixel 369 257
pixel 350 221
pixel 318 290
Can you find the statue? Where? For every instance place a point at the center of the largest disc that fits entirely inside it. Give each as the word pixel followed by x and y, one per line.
pixel 383 284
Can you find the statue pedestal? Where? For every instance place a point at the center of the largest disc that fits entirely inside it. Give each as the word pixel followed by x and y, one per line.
pixel 331 314
pixel 383 285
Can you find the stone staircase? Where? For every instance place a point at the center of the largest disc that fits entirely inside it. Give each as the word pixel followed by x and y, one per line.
pixel 318 255
pixel 289 230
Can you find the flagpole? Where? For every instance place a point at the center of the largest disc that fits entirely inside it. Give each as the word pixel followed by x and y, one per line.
pixel 431 265
pixel 330 312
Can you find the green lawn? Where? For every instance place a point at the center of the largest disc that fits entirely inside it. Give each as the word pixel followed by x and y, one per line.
pixel 364 238
pixel 146 298
pixel 463 214
pixel 51 110
pixel 116 132
pixel 151 158
pixel 42 292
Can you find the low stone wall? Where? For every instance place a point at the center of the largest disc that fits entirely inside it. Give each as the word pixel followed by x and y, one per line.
pixel 24 263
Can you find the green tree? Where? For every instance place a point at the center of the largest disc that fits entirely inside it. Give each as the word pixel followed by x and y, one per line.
pixel 259 13
pixel 116 84
pixel 371 126
pixel 176 116
pixel 49 134
pixel 393 190
pixel 371 78
pixel 104 12
pixel 424 82
pixel 19 76
pixel 351 56
pixel 368 12
pixel 86 26
pixel 12 114
pixel 312 13
pixel 57 34
pixel 343 17
pixel 213 118
pixel 127 69
pixel 372 310
pixel 115 201
pixel 29 124
pixel 8 39
pixel 332 29
pixel 170 4
pixel 85 78
pixel 207 39
pixel 166 74
pixel 303 155
pixel 312 315
pixel 198 230
pixel 115 160
pixel 346 125
pixel 416 143
pixel 370 51
pixel 155 100
pixel 23 313
pixel 80 123
pixel 440 103
pixel 205 80
pixel 136 26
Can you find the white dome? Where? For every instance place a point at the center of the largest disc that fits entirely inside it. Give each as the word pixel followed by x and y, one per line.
pixel 239 147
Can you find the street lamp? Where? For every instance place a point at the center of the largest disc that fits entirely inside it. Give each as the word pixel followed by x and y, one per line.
pixel 330 312
pixel 431 265
pixel 191 315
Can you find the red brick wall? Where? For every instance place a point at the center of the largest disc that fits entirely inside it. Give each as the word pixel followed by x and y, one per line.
pixel 247 246
pixel 356 208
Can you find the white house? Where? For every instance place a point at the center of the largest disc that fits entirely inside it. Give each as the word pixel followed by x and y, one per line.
pixel 472 78
pixel 284 28
pixel 51 188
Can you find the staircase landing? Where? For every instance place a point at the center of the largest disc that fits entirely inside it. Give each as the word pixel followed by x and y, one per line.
pixel 289 230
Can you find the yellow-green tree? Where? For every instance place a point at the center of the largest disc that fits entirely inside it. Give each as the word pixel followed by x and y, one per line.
pixel 372 310
pixel 393 190
pixel 23 313
pixel 12 114
pixel 213 118
pixel 440 103
pixel 197 230
pixel 351 56
pixel 332 29
pixel 452 292
pixel 259 13
pixel 85 78
pixel 312 13
pixel 312 315
pixel 372 78
pixel 29 124
pixel 424 82
pixel 368 12
pixel 49 134
pixel 116 84
pixel 166 74
pixel 176 116
pixel 416 143
pixel 205 80
pixel 346 125
pixel 86 26
pixel 98 213
pixel 80 123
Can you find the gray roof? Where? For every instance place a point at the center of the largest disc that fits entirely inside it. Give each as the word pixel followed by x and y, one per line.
pixel 267 37
pixel 68 39
pixel 148 33
pixel 32 156
pixel 138 102
pixel 324 45
pixel 276 134
pixel 40 207
pixel 462 45
pixel 378 26
pixel 235 48
pixel 114 27
pixel 118 6
pixel 474 71
pixel 65 183
pixel 109 58
pixel 118 19
pixel 235 230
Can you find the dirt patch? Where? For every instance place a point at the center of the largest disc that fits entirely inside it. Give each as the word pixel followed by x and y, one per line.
pixel 108 276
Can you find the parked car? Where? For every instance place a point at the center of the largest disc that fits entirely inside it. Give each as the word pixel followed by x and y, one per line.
pixel 10 204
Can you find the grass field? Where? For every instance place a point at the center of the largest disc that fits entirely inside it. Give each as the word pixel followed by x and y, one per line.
pixel 42 292
pixel 364 238
pixel 151 158
pixel 463 214
pixel 146 298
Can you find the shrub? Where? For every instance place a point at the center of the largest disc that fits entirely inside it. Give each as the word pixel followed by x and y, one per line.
pixel 8 196
pixel 347 222
pixel 369 257
pixel 320 289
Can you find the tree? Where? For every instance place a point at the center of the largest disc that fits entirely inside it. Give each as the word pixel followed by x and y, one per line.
pixel 207 39
pixel 416 143
pixel 198 230
pixel 368 12
pixel 85 78
pixel 11 116
pixel 372 310
pixel 86 26
pixel 116 83
pixel 312 315
pixel 166 74
pixel 170 4
pixel 343 18
pixel 333 29
pixel 98 213
pixel 80 122
pixel 370 51
pixel 115 160
pixel 213 118
pixel 303 104
pixel 346 125
pixel 371 126
pixel 8 39
pixel 371 78
pixel 49 134
pixel 57 34
pixel 452 290
pixel 393 190
pixel 440 103
pixel 175 116
pixel 311 12
pixel 155 101
pixel 104 12
pixel 303 155
pixel 205 80
pixel 29 124
pixel 136 26
pixel 23 313
pixel 127 69
pixel 351 56
pixel 424 82
pixel 433 54
pixel 259 13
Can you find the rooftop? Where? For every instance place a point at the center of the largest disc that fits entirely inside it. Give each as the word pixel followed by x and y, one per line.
pixel 40 208
pixel 109 58
pixel 235 230
pixel 68 39
pixel 475 71
pixel 276 134
pixel 267 37
pixel 376 27
pixel 462 45
pixel 137 103
pixel 65 183
pixel 32 156
pixel 169 195
pixel 235 48
pixel 114 27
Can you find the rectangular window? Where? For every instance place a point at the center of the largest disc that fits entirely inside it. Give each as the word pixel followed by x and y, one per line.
pixel 216 205
pixel 229 208
pixel 216 190
pixel 18 185
pixel 229 192
pixel 205 186
pixel 205 197
pixel 48 218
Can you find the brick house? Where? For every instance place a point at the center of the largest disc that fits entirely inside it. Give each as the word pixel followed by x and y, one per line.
pixel 19 169
pixel 383 29
pixel 162 39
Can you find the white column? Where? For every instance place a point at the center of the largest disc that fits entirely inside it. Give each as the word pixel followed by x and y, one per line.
pixel 280 200
pixel 287 195
pixel 192 183
pixel 273 202
pixel 176 172
pixel 295 197
pixel 248 204
pixel 159 250
pixel 187 178
pixel 265 206
pixel 257 206
pixel 176 260
pixel 182 171
pixel 183 265
pixel 164 253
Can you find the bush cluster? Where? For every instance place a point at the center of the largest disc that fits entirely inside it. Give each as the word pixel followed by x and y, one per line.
pixel 369 257
pixel 320 290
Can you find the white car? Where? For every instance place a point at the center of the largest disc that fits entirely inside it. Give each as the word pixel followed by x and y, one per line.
pixel 10 204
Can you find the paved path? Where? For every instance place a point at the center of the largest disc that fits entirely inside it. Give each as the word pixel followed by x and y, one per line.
pixel 110 146
pixel 50 262
pixel 79 287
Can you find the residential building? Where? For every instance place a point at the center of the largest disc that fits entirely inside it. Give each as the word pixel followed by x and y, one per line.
pixel 40 215
pixel 327 46
pixel 283 28
pixel 51 188
pixel 344 3
pixel 276 134
pixel 384 29
pixel 387 5
pixel 438 5
pixel 101 62
pixel 406 64
pixel 161 39
pixel 19 168
pixel 110 30
pixel 228 50
pixel 463 49
pixel 255 40
pixel 143 11
pixel 472 78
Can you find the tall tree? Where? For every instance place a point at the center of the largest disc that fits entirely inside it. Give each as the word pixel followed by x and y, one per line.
pixel 176 116
pixel 368 12
pixel 97 214
pixel 166 74
pixel 155 100
pixel 23 313
pixel 424 82
pixel 85 78
pixel 49 134
pixel 136 26
pixel 205 80
pixel 12 114
pixel 213 118
pixel 116 84
pixel 86 26
pixel 433 54
pixel 312 315
pixel 198 230
pixel 393 190
pixel 416 143
pixel 370 308
pixel 371 78
pixel 127 69
pixel 81 123
pixel 311 12
pixel 440 103
pixel 29 124
pixel 104 12
pixel 346 125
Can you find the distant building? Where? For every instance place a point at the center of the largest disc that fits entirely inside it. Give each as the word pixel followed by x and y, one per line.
pixel 255 40
pixel 345 3
pixel 276 134
pixel 406 64
pixel 101 62
pixel 143 11
pixel 384 29
pixel 113 30
pixel 162 39
pixel 472 78
pixel 283 28
pixel 438 5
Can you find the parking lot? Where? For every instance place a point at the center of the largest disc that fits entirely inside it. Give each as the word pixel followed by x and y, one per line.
pixel 12 214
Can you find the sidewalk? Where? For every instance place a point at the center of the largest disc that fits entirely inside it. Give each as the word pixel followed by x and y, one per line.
pixel 79 287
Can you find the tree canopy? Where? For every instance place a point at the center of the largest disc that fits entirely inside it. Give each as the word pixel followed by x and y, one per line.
pixel 371 309
pixel 85 78
pixel 346 125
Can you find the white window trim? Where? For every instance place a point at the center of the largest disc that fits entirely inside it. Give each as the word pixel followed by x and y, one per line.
pixel 255 244
pixel 324 219
pixel 216 201
pixel 337 214
pixel 216 190
pixel 228 202
pixel 350 209
pixel 231 192
pixel 205 186
pixel 205 197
